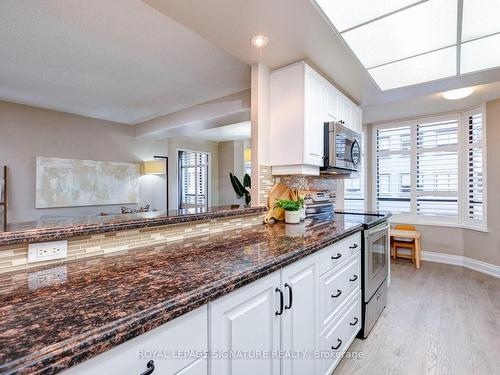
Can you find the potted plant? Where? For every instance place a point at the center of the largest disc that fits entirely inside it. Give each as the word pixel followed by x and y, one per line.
pixel 297 196
pixel 292 210
pixel 242 189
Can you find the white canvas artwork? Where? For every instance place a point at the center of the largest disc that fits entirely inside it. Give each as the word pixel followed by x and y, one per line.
pixel 72 182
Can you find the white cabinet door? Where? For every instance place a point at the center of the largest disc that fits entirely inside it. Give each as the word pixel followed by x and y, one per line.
pixel 299 331
pixel 332 97
pixel 245 322
pixel 187 333
pixel 357 119
pixel 345 109
pixel 314 117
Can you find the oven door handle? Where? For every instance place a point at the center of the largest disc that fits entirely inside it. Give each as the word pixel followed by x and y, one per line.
pixel 377 229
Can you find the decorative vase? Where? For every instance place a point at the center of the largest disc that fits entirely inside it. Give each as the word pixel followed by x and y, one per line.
pixel 292 217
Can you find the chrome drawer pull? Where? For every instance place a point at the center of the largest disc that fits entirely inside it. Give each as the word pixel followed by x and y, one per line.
pixel 354 278
pixel 339 292
pixel 150 368
pixel 355 322
pixel 337 257
pixel 338 345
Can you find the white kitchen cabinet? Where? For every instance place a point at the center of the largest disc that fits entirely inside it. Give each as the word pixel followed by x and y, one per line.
pixel 299 322
pixel 357 119
pixel 301 101
pixel 188 332
pixel 298 100
pixel 332 99
pixel 340 334
pixel 245 321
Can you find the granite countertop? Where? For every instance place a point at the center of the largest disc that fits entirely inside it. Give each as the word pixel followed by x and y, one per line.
pixel 58 228
pixel 93 305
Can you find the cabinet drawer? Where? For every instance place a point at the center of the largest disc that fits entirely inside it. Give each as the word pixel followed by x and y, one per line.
pixel 338 337
pixel 188 332
pixel 337 253
pixel 337 286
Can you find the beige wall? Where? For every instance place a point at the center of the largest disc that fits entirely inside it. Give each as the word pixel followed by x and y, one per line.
pixel 192 144
pixel 27 132
pixel 464 242
pixel 231 159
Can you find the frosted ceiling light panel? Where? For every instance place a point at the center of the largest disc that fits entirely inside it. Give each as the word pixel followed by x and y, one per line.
pixel 480 18
pixel 422 28
pixel 419 69
pixel 480 54
pixel 345 14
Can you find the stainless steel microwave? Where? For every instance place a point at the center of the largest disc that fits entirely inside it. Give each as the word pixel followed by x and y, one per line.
pixel 342 149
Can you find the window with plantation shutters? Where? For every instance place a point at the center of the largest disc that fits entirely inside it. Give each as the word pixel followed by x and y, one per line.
pixel 437 168
pixel 193 179
pixel 392 168
pixel 475 194
pixel 433 170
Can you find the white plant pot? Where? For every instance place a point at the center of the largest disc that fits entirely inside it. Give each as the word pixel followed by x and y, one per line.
pixel 292 217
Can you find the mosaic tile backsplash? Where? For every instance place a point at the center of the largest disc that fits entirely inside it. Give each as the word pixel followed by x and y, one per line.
pixel 15 257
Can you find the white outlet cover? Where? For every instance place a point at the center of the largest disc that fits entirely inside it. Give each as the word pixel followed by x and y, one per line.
pixel 42 251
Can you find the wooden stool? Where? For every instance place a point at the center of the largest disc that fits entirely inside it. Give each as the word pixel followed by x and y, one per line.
pixel 398 236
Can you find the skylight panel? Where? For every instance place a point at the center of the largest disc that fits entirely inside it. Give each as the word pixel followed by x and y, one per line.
pixel 480 18
pixel 345 14
pixel 480 54
pixel 419 69
pixel 420 29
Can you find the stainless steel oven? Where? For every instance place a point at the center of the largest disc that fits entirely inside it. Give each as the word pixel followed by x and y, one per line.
pixel 375 272
pixel 342 149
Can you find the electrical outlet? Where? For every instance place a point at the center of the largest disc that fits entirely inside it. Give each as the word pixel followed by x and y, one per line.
pixel 39 252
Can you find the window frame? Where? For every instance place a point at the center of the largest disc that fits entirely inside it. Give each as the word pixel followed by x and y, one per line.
pixel 462 219
pixel 209 175
pixel 362 174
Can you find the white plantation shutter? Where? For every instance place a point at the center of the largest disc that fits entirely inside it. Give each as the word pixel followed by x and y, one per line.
pixel 437 168
pixel 193 179
pixel 474 165
pixel 433 170
pixel 393 182
pixel 354 188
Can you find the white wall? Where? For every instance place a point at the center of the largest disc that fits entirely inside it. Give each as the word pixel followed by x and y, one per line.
pixel 27 132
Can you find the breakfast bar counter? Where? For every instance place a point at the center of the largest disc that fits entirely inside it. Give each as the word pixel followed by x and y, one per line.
pixel 89 306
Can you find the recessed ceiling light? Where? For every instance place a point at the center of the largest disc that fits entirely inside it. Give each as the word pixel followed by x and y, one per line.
pixel 458 93
pixel 259 41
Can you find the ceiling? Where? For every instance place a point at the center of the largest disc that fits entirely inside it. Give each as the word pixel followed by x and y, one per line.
pixel 435 38
pixel 118 60
pixel 297 29
pixel 131 61
pixel 234 132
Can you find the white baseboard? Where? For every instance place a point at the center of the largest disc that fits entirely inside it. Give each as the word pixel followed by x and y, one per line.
pixel 458 260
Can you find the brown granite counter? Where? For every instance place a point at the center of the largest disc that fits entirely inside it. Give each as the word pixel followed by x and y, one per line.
pixel 59 228
pixel 93 305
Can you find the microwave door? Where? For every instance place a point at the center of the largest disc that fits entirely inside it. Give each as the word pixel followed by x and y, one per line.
pixel 340 150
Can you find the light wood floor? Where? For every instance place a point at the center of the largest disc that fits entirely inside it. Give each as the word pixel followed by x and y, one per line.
pixel 440 319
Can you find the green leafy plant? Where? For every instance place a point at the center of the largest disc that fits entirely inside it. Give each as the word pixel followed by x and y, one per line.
pixel 242 189
pixel 288 205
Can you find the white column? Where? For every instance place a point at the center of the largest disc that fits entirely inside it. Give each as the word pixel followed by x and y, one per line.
pixel 260 118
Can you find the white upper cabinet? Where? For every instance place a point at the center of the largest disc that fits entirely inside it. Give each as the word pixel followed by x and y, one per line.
pixel 301 102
